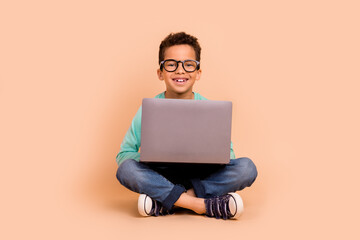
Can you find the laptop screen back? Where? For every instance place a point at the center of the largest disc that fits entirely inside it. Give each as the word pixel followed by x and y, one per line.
pixel 185 131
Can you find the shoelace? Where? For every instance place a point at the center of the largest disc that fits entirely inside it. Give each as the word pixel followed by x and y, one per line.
pixel 218 207
pixel 158 209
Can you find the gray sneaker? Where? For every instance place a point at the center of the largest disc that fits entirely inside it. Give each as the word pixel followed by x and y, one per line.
pixel 150 207
pixel 229 206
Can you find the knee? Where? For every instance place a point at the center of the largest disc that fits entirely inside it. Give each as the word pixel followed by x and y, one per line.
pixel 252 171
pixel 247 170
pixel 125 169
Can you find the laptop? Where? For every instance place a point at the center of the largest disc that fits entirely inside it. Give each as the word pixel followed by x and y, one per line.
pixel 185 131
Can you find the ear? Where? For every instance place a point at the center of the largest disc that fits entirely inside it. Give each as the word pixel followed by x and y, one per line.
pixel 198 75
pixel 160 75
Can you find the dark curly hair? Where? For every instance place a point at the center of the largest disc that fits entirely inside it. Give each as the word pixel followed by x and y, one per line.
pixel 178 39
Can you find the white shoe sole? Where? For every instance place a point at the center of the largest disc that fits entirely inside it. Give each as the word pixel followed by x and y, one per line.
pixel 236 205
pixel 144 205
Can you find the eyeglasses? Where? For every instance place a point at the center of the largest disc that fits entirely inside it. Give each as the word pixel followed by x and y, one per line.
pixel 170 65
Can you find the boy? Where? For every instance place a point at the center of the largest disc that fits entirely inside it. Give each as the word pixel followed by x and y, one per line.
pixel 204 189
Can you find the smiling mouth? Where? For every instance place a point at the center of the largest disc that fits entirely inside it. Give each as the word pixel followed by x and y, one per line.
pixel 180 80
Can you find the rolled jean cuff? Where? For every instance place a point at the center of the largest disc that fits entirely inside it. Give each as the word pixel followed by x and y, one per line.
pixel 198 188
pixel 173 196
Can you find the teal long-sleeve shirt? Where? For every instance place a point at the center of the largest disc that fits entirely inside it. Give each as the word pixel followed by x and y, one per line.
pixel 131 143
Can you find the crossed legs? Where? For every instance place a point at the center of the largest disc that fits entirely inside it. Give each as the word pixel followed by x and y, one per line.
pixel 144 179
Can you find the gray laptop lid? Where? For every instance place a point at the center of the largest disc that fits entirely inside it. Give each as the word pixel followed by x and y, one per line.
pixel 185 131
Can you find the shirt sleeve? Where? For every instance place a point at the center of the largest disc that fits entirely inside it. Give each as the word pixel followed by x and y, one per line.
pixel 130 145
pixel 232 154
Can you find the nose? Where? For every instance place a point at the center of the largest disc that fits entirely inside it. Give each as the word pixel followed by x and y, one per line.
pixel 180 69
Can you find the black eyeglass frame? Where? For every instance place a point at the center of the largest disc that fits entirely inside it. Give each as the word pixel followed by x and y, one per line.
pixel 177 64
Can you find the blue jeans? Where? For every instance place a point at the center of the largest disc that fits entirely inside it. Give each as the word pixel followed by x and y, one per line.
pixel 166 182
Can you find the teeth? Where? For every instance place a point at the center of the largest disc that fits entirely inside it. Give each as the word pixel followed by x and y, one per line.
pixel 180 80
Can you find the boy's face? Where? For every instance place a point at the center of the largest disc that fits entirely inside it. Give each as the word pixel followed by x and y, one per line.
pixel 174 87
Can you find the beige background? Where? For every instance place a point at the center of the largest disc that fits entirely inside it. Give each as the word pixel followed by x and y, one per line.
pixel 73 74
